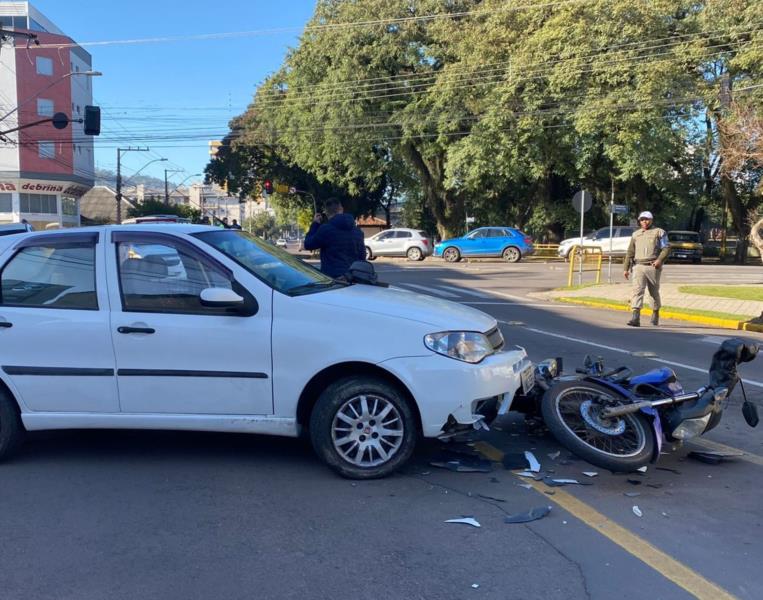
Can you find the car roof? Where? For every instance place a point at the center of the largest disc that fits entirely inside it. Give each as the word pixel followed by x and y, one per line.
pixel 682 231
pixel 181 228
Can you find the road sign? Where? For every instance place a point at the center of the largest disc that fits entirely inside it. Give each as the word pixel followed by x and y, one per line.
pixel 282 188
pixel 470 220
pixel 620 209
pixel 582 201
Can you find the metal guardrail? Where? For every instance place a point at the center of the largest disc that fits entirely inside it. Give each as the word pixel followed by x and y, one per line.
pixel 584 259
pixel 545 251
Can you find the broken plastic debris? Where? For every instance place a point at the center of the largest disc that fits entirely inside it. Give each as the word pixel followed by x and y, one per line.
pixel 531 515
pixel 590 473
pixel 713 458
pixel 465 466
pixel 554 455
pixel 656 486
pixel 641 469
pixel 631 494
pixel 637 511
pixel 532 461
pixel 527 486
pixel 559 482
pixel 513 461
pixel 465 521
pixel 676 471
pixel 490 498
pixel 475 586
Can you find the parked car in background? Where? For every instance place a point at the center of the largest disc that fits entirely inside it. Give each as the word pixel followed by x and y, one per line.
pixel 281 243
pixel 411 243
pixel 14 228
pixel 194 327
pixel 507 242
pixel 685 245
pixel 600 239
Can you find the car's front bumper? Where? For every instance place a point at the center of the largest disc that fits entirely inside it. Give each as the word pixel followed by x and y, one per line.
pixel 450 392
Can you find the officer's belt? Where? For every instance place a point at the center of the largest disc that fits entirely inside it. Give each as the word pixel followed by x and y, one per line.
pixel 647 261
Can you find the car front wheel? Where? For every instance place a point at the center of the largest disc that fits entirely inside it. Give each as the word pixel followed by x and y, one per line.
pixel 369 254
pixel 11 429
pixel 363 428
pixel 451 254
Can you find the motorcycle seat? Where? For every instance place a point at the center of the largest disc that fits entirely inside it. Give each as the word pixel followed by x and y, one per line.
pixel 655 377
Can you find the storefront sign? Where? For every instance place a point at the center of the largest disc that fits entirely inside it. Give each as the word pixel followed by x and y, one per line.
pixel 30 186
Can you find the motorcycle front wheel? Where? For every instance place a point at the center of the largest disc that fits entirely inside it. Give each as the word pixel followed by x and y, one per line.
pixel 572 412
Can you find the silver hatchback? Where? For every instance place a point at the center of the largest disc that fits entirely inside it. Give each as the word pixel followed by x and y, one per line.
pixel 411 243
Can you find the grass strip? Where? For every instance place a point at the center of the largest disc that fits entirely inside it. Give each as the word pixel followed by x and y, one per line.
pixel 677 309
pixel 735 292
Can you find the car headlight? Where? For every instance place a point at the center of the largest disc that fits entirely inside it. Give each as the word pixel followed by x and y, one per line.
pixel 468 346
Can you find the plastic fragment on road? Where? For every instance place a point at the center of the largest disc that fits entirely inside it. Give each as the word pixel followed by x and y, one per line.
pixel 590 473
pixel 642 469
pixel 514 461
pixel 465 466
pixel 637 511
pixel 669 470
pixel 527 486
pixel 631 494
pixel 493 498
pixel 531 515
pixel 465 521
pixel 475 586
pixel 713 458
pixel 554 455
pixel 532 461
pixel 560 482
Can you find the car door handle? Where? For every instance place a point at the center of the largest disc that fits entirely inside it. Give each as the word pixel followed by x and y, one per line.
pixel 5 325
pixel 136 330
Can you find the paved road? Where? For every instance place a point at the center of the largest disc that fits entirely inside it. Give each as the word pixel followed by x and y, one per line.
pixel 173 515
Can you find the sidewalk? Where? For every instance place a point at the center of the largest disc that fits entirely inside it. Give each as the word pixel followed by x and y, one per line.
pixel 709 310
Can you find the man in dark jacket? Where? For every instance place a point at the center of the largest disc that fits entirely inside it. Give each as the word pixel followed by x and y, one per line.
pixel 339 239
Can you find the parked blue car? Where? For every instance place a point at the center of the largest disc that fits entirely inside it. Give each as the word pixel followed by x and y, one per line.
pixel 507 242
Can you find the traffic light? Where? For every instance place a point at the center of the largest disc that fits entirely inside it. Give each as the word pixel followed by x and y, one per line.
pixel 92 120
pixel 267 187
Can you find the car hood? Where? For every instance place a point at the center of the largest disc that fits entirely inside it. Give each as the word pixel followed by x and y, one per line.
pixel 450 241
pixel 576 240
pixel 394 302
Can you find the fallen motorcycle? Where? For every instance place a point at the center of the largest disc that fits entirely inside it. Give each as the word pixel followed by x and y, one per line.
pixel 618 421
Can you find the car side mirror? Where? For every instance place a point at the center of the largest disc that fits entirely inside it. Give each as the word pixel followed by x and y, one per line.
pixel 221 298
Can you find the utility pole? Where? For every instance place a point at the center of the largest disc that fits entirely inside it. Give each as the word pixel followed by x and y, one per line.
pixel 120 151
pixel 166 184
pixel 725 97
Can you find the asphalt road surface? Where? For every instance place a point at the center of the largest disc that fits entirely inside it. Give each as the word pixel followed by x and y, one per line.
pixel 112 515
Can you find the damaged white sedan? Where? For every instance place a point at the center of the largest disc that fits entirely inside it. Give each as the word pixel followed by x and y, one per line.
pixel 195 328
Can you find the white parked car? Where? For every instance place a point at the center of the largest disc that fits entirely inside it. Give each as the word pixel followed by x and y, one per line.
pixel 600 239
pixel 411 243
pixel 281 243
pixel 200 328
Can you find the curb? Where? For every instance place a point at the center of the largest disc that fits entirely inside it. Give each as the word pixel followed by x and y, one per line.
pixel 670 314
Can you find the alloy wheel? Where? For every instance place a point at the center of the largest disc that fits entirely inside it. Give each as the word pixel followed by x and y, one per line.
pixel 367 431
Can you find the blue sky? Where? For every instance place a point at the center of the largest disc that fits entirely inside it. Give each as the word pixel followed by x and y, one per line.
pixel 161 87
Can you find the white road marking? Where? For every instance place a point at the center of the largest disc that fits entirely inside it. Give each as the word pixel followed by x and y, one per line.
pixel 501 303
pixel 662 361
pixel 519 299
pixel 430 290
pixel 463 291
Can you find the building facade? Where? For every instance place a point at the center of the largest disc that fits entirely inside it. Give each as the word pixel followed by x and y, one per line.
pixel 43 171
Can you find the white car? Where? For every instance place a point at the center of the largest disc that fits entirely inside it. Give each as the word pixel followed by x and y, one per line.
pixel 200 328
pixel 411 243
pixel 281 243
pixel 601 239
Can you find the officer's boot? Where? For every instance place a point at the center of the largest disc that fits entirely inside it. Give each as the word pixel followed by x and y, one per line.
pixel 656 317
pixel 635 318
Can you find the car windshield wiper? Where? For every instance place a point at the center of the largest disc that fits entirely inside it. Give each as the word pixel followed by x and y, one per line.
pixel 316 285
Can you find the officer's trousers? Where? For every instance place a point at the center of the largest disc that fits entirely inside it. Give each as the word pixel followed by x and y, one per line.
pixel 646 276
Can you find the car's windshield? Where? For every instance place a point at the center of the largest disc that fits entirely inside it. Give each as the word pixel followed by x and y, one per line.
pixel 276 267
pixel 683 237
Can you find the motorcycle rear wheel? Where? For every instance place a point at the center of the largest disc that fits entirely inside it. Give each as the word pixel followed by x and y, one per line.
pixel 571 412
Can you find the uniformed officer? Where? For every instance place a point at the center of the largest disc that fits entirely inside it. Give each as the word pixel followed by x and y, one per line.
pixel 647 252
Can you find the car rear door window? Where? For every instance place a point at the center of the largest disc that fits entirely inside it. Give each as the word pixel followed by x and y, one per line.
pixel 625 232
pixel 163 278
pixel 51 276
pixel 403 234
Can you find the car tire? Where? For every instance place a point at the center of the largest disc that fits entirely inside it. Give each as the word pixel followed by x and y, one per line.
pixel 340 409
pixel 451 254
pixel 369 254
pixel 11 429
pixel 414 254
pixel 512 254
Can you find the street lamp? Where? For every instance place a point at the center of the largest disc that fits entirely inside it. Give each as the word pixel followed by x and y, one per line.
pixel 150 162
pixel 50 85
pixel 166 183
pixel 184 180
